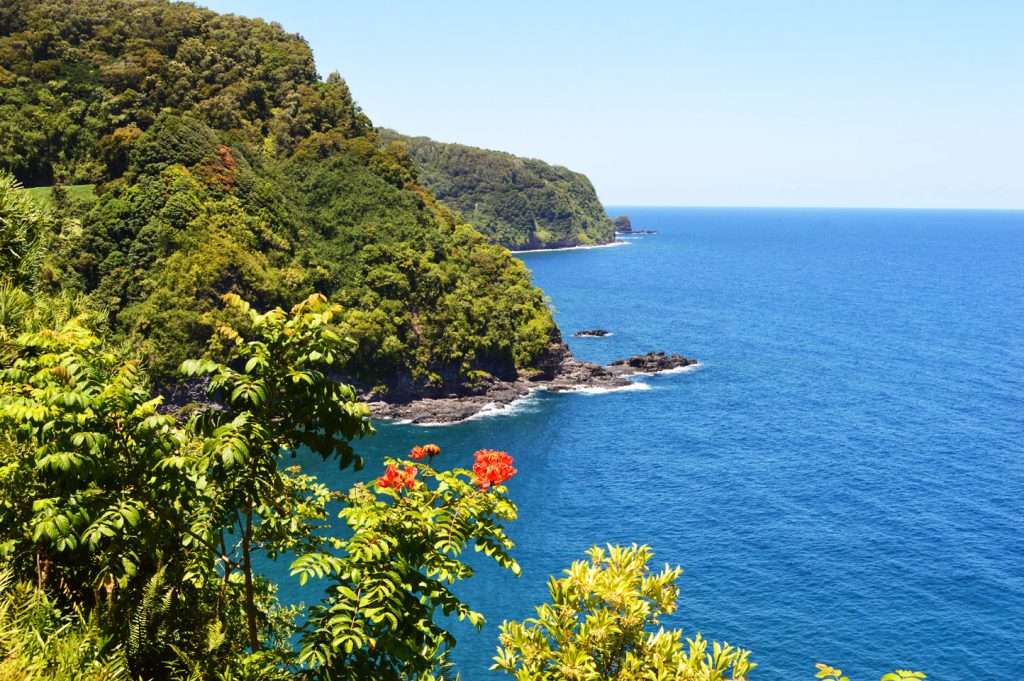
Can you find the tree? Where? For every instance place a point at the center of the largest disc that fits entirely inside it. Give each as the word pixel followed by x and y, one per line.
pixel 97 496
pixel 274 396
pixel 86 501
pixel 390 580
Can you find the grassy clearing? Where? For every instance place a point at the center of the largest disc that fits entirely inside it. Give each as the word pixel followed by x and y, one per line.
pixel 41 195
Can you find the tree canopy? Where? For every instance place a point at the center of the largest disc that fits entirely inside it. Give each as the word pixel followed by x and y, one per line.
pixel 520 203
pixel 224 164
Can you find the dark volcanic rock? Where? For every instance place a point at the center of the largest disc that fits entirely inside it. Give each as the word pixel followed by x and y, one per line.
pixel 651 363
pixel 186 395
pixel 576 375
pixel 444 409
pixel 559 371
pixel 592 332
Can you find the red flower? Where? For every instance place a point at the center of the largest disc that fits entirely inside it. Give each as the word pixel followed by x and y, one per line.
pixel 418 453
pixel 491 468
pixel 396 478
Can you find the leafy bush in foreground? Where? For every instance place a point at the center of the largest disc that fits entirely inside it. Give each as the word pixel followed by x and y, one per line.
pixel 599 625
pixel 146 526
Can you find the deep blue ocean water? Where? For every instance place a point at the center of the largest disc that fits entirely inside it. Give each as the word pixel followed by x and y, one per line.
pixel 842 478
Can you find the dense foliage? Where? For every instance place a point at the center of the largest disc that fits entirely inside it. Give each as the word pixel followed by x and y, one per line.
pixel 81 80
pixel 428 297
pixel 517 202
pixel 40 641
pixel 226 165
pixel 24 228
pixel 137 530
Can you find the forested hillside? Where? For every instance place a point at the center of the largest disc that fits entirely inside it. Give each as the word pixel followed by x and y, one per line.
pixel 520 203
pixel 223 163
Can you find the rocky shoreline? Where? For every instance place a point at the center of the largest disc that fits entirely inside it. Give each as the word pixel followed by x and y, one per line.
pixel 564 374
pixel 406 401
pixel 568 247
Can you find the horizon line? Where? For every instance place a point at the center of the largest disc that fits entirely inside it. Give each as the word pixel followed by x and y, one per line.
pixel 720 206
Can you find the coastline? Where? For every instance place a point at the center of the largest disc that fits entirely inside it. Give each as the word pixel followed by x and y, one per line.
pixel 500 397
pixel 584 247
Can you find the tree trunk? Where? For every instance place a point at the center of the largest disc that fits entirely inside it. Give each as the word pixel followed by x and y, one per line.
pixel 250 600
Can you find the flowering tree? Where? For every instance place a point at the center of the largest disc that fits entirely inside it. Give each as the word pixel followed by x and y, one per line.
pixel 390 581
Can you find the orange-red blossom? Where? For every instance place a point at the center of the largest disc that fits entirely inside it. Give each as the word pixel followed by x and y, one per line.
pixel 418 453
pixel 491 467
pixel 397 478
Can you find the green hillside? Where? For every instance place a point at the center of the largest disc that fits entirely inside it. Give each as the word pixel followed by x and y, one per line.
pixel 223 163
pixel 520 203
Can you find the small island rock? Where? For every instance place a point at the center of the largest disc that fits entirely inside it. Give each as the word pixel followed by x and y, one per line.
pixel 624 226
pixel 652 362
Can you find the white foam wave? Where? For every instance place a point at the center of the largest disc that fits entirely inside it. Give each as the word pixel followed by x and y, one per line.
pixel 678 370
pixel 516 406
pixel 602 391
pixel 488 410
pixel 617 242
pixel 495 409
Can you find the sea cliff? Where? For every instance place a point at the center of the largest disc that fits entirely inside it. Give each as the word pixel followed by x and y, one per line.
pixel 519 203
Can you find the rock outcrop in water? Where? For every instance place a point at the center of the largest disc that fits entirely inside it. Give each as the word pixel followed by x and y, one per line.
pixel 624 226
pixel 651 363
pixel 561 372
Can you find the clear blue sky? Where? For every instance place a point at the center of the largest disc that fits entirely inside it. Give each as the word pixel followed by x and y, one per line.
pixel 900 103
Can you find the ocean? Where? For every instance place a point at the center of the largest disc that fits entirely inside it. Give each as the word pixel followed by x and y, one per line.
pixel 842 475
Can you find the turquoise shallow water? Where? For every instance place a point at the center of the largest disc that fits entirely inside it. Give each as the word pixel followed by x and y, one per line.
pixel 842 478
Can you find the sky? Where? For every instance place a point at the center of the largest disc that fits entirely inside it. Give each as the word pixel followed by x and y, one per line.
pixel 862 103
